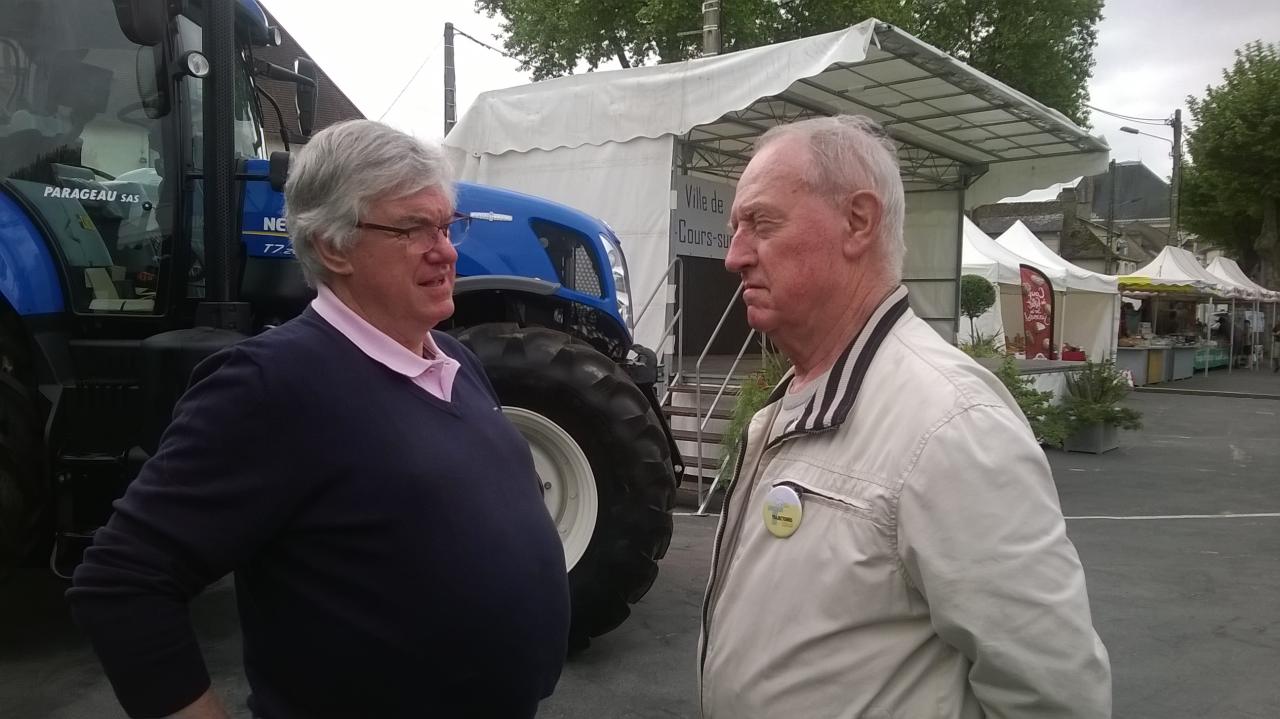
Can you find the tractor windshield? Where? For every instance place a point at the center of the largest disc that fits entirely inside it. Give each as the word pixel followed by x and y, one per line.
pixel 95 143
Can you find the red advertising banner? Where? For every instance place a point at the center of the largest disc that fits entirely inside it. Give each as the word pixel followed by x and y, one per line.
pixel 1037 313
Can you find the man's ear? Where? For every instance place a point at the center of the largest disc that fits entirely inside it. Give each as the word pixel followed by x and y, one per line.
pixel 335 261
pixel 863 210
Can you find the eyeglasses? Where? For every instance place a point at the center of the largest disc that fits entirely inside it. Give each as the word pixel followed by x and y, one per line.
pixel 427 234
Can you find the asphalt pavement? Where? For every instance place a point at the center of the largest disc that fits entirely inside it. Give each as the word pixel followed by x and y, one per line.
pixel 1182 561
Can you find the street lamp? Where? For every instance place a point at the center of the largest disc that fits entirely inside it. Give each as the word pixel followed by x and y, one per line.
pixel 1176 178
pixel 1136 131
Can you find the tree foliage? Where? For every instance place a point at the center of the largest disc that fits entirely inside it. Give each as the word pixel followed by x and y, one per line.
pixel 1215 222
pixel 1231 195
pixel 976 296
pixel 1041 47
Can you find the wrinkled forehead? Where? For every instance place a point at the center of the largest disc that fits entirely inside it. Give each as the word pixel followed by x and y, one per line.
pixel 778 170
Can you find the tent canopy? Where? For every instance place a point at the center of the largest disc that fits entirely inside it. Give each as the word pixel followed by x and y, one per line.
pixel 1023 242
pixel 615 144
pixel 1178 270
pixel 951 122
pixel 1229 270
pixel 983 257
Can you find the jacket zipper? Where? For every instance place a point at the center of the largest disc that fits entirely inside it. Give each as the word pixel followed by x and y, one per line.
pixel 715 560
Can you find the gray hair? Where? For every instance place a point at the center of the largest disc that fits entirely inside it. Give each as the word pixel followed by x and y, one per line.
pixel 344 169
pixel 852 153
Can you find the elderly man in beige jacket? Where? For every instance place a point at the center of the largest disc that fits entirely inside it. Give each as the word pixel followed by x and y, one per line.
pixel 892 543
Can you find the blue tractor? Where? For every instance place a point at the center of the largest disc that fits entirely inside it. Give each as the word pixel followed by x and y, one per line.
pixel 142 229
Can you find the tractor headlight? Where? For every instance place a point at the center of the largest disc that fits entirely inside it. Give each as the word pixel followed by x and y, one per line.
pixel 621 281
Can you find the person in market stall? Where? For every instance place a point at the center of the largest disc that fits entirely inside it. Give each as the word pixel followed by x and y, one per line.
pixel 1275 347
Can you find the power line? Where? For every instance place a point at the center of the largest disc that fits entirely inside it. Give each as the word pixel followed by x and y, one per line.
pixel 410 82
pixel 481 43
pixel 1130 118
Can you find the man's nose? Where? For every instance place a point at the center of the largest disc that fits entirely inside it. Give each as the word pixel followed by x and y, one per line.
pixel 444 252
pixel 739 256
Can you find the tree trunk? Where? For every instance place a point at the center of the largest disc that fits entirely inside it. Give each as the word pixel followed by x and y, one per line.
pixel 1268 242
pixel 619 51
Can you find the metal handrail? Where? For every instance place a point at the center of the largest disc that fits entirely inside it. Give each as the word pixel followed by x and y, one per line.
pixel 697 389
pixel 729 375
pixel 661 284
pixel 677 321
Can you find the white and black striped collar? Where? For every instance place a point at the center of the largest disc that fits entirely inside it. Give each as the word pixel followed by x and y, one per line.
pixel 830 405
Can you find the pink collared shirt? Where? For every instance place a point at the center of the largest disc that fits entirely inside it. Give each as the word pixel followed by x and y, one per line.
pixel 433 372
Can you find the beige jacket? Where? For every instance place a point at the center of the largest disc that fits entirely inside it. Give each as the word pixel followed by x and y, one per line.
pixel 930 576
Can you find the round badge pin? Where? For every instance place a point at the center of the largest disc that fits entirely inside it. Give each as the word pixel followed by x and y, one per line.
pixel 782 511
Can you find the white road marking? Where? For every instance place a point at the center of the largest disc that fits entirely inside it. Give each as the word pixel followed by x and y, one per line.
pixel 1185 516
pixel 1139 517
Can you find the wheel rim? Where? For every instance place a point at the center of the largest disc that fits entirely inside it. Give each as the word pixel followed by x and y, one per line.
pixel 568 484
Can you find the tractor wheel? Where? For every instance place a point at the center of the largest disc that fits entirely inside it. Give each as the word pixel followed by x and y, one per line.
pixel 21 491
pixel 602 457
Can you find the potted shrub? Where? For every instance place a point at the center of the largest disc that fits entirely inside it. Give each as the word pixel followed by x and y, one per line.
pixel 752 397
pixel 1047 421
pixel 976 297
pixel 984 346
pixel 1092 410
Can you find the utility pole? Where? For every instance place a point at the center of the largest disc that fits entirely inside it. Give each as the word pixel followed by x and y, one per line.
pixel 1175 179
pixel 1111 216
pixel 450 82
pixel 712 40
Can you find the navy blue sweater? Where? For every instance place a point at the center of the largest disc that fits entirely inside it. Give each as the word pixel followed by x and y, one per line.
pixel 391 551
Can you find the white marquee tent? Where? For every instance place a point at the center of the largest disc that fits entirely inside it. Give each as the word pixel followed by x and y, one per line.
pixel 615 143
pixel 1227 269
pixel 1088 311
pixel 983 257
pixel 1176 267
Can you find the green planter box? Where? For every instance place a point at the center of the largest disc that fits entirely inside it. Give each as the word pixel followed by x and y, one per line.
pixel 1096 438
pixel 1211 357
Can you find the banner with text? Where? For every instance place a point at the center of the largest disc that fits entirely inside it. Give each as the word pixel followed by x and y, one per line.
pixel 1037 313
pixel 700 217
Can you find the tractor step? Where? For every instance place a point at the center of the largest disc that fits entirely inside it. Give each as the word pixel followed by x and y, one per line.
pixel 89 461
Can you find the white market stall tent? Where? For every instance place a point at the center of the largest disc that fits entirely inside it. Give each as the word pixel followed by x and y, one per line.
pixel 1228 269
pixel 1088 309
pixel 618 144
pixel 1176 268
pixel 983 257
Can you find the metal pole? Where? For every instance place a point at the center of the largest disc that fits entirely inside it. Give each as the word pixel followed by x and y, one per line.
pixel 219 159
pixel 1231 343
pixel 964 172
pixel 712 40
pixel 1253 336
pixel 1175 179
pixel 450 82
pixel 1208 336
pixel 1111 216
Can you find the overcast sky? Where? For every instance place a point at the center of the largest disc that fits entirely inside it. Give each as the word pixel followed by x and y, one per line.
pixel 1150 56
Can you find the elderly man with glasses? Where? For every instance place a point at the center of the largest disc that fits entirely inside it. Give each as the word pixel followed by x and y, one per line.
pixel 383 520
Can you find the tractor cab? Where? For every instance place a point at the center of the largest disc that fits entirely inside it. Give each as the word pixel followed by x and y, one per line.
pixel 101 149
